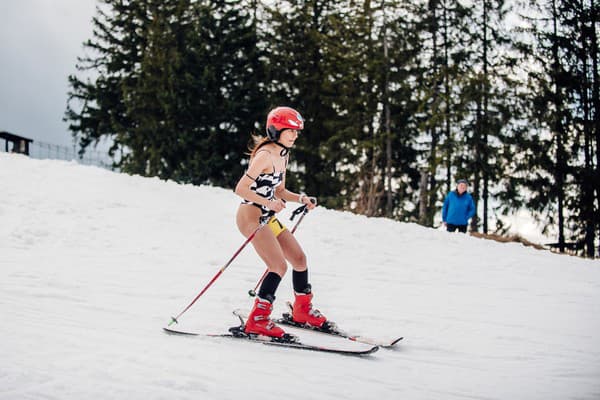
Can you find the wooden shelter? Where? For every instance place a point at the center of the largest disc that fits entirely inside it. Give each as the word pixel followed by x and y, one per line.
pixel 19 144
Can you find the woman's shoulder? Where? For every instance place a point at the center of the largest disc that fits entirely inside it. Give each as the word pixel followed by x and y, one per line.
pixel 263 153
pixel 262 157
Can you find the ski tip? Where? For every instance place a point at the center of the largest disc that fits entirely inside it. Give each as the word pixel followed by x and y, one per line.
pixel 372 350
pixel 172 331
pixel 391 344
pixel 385 344
pixel 394 342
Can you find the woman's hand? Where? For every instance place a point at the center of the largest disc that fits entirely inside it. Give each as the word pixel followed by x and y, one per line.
pixel 311 202
pixel 276 205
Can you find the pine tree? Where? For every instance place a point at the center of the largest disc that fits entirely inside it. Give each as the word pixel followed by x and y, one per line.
pixel 296 52
pixel 368 63
pixel 401 46
pixel 579 21
pixel 96 109
pixel 562 162
pixel 177 87
pixel 362 61
pixel 155 102
pixel 487 93
pixel 444 23
pixel 230 99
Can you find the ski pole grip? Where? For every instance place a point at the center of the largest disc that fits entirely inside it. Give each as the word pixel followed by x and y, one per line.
pixel 299 210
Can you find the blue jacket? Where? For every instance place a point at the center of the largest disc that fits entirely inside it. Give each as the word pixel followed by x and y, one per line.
pixel 457 210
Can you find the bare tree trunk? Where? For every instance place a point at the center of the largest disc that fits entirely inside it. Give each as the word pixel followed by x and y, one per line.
pixel 432 184
pixel 596 105
pixel 587 184
pixel 486 125
pixel 447 101
pixel 423 196
pixel 386 109
pixel 475 194
pixel 431 191
pixel 478 158
pixel 558 131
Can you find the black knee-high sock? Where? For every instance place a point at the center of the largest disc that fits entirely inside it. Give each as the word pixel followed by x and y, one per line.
pixel 300 281
pixel 269 286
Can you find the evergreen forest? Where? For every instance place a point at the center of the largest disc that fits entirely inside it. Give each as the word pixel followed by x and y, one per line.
pixel 401 98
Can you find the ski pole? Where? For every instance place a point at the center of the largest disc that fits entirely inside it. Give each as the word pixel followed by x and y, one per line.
pixel 248 240
pixel 303 210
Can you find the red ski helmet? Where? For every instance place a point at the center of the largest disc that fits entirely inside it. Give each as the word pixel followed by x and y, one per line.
pixel 281 118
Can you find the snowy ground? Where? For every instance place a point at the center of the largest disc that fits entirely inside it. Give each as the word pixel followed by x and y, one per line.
pixel 93 264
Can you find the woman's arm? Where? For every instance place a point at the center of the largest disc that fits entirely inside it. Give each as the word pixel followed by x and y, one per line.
pixel 282 193
pixel 259 164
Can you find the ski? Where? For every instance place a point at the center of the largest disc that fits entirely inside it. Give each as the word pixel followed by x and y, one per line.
pixel 332 329
pixel 290 341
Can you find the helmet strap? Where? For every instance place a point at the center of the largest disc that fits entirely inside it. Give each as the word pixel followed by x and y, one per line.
pixel 284 151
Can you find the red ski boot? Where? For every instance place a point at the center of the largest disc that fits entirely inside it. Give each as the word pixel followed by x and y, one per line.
pixel 303 313
pixel 258 321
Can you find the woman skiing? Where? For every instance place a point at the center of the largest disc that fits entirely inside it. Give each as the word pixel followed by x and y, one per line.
pixel 264 194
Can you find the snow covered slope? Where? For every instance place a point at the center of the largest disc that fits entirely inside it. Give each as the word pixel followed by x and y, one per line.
pixel 94 263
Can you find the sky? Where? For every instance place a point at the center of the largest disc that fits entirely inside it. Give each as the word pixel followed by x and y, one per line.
pixel 41 40
pixel 94 263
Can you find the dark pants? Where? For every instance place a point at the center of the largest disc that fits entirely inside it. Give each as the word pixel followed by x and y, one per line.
pixel 452 228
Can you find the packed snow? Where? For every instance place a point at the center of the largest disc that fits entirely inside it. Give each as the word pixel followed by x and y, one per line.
pixel 94 263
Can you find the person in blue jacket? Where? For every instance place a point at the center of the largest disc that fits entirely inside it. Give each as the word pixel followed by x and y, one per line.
pixel 458 208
